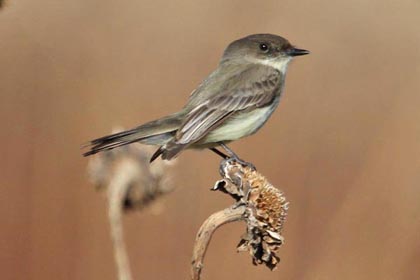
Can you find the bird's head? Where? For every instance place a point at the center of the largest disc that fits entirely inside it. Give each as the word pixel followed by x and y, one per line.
pixel 267 49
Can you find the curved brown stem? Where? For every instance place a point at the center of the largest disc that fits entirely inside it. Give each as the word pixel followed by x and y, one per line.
pixel 205 233
pixel 117 190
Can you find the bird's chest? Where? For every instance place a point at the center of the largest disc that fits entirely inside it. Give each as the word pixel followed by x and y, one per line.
pixel 241 124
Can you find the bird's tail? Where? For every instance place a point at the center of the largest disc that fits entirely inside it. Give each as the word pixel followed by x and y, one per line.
pixel 156 132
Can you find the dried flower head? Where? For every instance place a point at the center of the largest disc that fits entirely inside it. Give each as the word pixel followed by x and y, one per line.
pixel 127 171
pixel 266 210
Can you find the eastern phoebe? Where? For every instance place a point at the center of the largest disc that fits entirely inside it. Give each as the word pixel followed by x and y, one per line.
pixel 232 102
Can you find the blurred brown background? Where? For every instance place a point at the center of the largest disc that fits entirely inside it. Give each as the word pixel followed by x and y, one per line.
pixel 344 144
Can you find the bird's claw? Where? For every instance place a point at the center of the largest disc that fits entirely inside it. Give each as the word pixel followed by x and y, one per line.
pixel 244 163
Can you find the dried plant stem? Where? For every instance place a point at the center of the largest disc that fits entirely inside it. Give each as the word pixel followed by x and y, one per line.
pixel 262 206
pixel 116 192
pixel 205 234
pixel 131 183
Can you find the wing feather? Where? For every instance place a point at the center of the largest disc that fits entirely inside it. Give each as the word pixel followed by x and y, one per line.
pixel 211 113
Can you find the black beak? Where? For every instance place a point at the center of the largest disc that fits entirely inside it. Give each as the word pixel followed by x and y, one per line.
pixel 297 52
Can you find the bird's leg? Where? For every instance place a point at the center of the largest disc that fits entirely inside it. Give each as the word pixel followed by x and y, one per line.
pixel 235 157
pixel 229 151
pixel 216 151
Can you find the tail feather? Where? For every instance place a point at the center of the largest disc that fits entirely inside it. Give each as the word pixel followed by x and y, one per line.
pixel 111 137
pixel 114 141
pixel 157 154
pixel 172 149
pixel 153 133
pixel 168 151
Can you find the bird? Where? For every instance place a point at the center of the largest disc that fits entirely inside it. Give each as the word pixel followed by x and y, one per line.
pixel 233 102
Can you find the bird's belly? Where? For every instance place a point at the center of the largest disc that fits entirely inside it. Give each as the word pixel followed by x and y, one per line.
pixel 241 125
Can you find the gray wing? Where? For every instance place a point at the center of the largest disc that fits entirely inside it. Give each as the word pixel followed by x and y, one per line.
pixel 258 90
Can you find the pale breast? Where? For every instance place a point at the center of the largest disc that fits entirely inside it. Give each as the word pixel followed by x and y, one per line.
pixel 239 126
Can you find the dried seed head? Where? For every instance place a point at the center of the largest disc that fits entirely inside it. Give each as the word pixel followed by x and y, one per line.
pixel 269 202
pixel 140 181
pixel 265 212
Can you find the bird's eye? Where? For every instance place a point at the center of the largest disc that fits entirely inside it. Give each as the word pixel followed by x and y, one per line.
pixel 264 47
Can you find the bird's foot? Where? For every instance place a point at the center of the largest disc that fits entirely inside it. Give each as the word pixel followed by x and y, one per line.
pixel 233 159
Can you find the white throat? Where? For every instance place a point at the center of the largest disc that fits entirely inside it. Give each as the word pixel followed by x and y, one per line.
pixel 279 64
